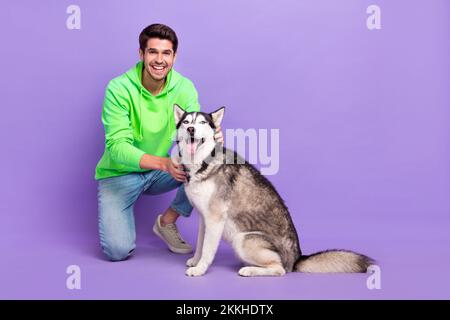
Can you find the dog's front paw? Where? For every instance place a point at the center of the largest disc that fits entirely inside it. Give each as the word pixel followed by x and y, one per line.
pixel 192 262
pixel 196 271
pixel 247 272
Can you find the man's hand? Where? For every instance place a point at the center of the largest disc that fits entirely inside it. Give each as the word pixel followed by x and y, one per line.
pixel 218 136
pixel 175 170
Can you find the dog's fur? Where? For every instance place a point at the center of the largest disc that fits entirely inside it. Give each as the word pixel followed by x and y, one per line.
pixel 238 203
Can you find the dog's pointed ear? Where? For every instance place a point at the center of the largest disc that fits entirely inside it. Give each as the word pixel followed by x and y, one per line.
pixel 217 116
pixel 177 113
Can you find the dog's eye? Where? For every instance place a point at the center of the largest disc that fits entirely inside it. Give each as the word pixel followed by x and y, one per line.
pixel 202 122
pixel 185 122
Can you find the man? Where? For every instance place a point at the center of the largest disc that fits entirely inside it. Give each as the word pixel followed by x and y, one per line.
pixel 139 126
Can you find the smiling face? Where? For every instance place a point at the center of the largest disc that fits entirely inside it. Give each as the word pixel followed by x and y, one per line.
pixel 195 130
pixel 158 58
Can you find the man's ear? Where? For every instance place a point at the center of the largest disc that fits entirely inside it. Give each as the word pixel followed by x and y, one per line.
pixel 217 116
pixel 177 113
pixel 141 54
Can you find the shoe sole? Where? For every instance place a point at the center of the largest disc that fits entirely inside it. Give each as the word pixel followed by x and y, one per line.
pixel 171 248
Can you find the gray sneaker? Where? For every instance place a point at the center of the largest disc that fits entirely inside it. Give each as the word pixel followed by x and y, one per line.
pixel 170 235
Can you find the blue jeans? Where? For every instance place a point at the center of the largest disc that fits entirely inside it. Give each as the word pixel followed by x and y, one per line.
pixel 116 198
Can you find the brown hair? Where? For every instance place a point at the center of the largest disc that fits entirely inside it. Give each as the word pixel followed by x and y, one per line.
pixel 159 31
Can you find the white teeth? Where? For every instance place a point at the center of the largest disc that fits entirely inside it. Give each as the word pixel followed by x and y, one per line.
pixel 158 67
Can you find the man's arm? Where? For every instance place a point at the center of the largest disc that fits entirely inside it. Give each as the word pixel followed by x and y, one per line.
pixel 189 98
pixel 149 161
pixel 118 131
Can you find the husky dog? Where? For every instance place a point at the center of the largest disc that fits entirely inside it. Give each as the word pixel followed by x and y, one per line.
pixel 238 203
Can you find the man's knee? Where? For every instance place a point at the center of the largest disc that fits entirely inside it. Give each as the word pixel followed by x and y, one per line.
pixel 118 251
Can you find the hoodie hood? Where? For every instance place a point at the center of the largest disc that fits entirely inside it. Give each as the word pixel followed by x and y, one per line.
pixel 135 76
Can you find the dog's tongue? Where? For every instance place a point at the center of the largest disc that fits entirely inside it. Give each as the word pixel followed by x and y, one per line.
pixel 192 147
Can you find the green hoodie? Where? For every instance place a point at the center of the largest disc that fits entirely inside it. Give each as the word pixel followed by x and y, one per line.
pixel 136 122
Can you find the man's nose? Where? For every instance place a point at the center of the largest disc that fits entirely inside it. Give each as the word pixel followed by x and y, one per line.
pixel 191 130
pixel 159 58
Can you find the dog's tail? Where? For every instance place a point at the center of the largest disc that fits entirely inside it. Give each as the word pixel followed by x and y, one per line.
pixel 333 261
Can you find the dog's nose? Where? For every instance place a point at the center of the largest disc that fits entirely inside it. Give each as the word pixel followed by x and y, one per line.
pixel 191 130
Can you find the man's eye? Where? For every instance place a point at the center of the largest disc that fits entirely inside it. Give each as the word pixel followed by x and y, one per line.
pixel 185 122
pixel 202 122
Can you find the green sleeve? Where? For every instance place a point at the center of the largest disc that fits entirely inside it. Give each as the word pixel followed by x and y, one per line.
pixel 118 130
pixel 191 97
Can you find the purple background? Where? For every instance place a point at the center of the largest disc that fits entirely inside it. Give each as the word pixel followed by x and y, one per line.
pixel 364 149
